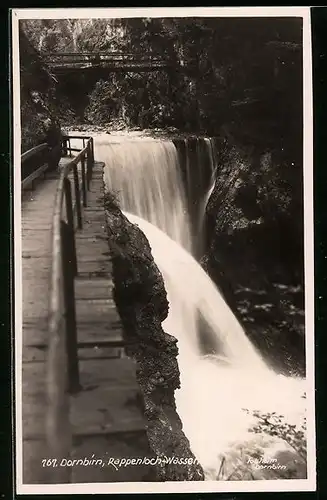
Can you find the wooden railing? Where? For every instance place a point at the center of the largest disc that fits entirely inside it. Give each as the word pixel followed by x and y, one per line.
pixel 37 161
pixel 62 368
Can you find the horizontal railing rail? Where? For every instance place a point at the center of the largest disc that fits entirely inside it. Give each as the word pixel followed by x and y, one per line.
pixel 114 60
pixel 63 369
pixel 105 55
pixel 32 152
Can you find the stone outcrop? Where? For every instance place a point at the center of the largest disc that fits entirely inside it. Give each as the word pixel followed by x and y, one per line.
pixel 141 301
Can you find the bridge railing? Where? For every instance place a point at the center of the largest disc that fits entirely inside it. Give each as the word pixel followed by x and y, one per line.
pixel 104 56
pixel 114 59
pixel 62 369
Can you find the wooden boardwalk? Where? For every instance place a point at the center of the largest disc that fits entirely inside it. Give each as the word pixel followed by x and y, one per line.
pixel 106 414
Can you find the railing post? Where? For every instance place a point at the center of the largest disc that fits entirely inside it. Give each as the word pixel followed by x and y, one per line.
pixel 77 198
pixel 92 150
pixel 70 310
pixel 64 146
pixel 83 181
pixel 70 222
pixel 89 164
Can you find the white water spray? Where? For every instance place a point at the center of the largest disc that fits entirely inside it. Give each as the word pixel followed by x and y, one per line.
pixel 215 389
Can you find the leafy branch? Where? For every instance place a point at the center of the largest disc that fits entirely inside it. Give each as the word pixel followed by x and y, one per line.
pixel 274 425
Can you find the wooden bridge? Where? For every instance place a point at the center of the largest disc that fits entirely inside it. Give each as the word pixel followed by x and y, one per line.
pixel 80 398
pixel 114 61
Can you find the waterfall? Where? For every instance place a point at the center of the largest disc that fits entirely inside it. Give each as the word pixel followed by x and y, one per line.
pixel 199 180
pixel 191 293
pixel 215 389
pixel 145 175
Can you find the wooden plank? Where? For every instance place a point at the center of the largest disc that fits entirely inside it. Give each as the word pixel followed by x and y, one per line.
pixel 97 303
pixel 101 352
pixel 40 226
pixel 38 215
pixel 35 239
pixel 33 454
pixel 37 323
pixel 33 398
pixel 92 269
pixel 35 308
pixel 88 236
pixel 35 333
pixel 107 409
pixel 120 372
pixel 96 248
pixel 95 288
pixel 97 328
pixel 133 425
pixel 97 227
pixel 108 403
pixel 35 253
pixel 99 411
pixel 35 269
pixel 94 215
pixel 88 350
pixel 101 309
pixel 88 257
pixel 43 191
pixel 33 354
pixel 34 204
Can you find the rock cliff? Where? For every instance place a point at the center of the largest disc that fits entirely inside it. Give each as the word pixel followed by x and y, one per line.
pixel 254 249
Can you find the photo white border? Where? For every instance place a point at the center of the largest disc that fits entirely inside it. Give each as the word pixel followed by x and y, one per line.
pixel 308 484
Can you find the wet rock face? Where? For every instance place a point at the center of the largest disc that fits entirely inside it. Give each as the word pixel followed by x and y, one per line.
pixel 254 250
pixel 142 304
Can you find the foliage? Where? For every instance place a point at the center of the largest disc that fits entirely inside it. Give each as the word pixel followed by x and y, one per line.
pixel 32 128
pixel 275 425
pixel 74 35
pixel 111 201
pixel 243 74
pixel 132 97
pixel 260 458
pixel 40 102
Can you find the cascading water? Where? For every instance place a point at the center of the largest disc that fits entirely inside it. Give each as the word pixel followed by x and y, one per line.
pixel 199 183
pixel 146 177
pixel 215 389
pixel 144 174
